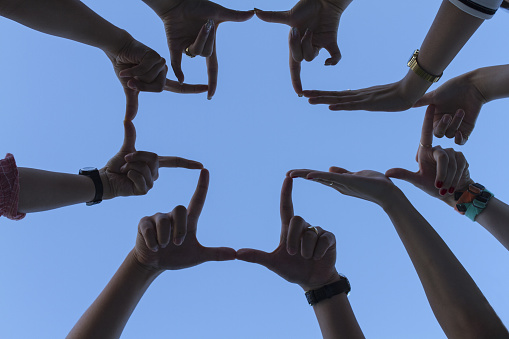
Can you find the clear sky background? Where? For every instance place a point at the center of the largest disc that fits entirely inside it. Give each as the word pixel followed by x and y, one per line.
pixel 62 109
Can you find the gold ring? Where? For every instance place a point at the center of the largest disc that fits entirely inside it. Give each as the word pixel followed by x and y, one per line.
pixel 313 228
pixel 188 53
pixel 425 146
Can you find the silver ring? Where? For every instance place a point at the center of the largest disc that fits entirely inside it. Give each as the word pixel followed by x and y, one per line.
pixel 313 228
pixel 424 146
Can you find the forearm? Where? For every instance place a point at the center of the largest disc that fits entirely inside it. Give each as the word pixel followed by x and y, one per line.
pixel 492 82
pixel 450 31
pixel 495 219
pixel 69 19
pixel 336 318
pixel 109 313
pixel 458 304
pixel 42 190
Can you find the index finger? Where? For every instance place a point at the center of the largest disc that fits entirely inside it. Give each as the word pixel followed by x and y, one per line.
pixel 129 137
pixel 179 162
pixel 226 14
pixel 131 103
pixel 286 206
pixel 212 69
pixel 295 75
pixel 197 201
pixel 427 127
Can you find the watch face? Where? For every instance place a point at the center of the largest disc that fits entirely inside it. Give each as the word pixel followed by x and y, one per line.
pixel 87 170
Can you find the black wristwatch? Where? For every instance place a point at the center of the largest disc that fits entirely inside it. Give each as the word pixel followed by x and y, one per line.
pixel 328 291
pixel 93 174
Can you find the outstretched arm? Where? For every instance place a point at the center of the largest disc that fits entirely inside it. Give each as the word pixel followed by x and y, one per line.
pixel 70 19
pixel 127 173
pixel 450 30
pixel 306 256
pixel 442 172
pixel 165 241
pixel 458 304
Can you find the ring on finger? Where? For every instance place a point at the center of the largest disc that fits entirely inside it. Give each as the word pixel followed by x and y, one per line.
pixel 425 146
pixel 313 228
pixel 186 51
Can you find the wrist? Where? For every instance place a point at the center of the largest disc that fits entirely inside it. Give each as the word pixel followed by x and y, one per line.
pixel 413 87
pixel 140 268
pixel 480 80
pixel 450 200
pixel 119 42
pixel 162 7
pixel 340 4
pixel 334 277
pixel 107 190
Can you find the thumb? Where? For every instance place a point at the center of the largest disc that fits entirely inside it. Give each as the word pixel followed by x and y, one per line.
pixel 218 253
pixel 276 17
pixel 427 99
pixel 226 14
pixel 254 256
pixel 131 101
pixel 129 137
pixel 403 174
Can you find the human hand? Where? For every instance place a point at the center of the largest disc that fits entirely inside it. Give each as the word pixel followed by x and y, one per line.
pixel 393 97
pixel 139 68
pixel 367 185
pixel 458 103
pixel 314 26
pixel 191 26
pixel 167 241
pixel 131 172
pixel 441 172
pixel 303 257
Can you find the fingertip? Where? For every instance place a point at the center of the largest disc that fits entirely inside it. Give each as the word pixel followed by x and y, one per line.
pixel 154 249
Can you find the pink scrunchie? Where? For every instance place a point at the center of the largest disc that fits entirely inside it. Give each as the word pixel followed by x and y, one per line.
pixel 9 188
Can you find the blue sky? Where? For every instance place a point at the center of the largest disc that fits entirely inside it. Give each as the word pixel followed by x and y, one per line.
pixel 62 109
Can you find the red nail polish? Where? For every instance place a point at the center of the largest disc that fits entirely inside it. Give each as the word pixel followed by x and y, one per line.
pixel 309 178
pixel 443 191
pixel 439 184
pixel 451 190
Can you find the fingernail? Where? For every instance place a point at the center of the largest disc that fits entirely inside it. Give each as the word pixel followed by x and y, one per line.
pixel 295 31
pixel 155 249
pixel 443 191
pixel 293 176
pixel 132 86
pixel 309 178
pixel 291 251
pixel 451 190
pixel 209 25
pixel 256 9
pixel 301 95
pixel 128 157
pixel 439 184
pixel 209 97
pixel 179 241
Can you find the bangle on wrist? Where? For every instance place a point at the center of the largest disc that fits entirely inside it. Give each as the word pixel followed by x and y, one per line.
pixel 328 291
pixel 473 201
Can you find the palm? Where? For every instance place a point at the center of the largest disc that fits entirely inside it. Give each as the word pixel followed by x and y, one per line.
pixel 453 95
pixel 318 269
pixel 184 26
pixel 172 257
pixel 154 246
pixel 321 17
pixel 307 273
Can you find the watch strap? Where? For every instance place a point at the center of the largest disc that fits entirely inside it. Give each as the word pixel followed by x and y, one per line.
pixel 328 291
pixel 93 173
pixel 414 66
